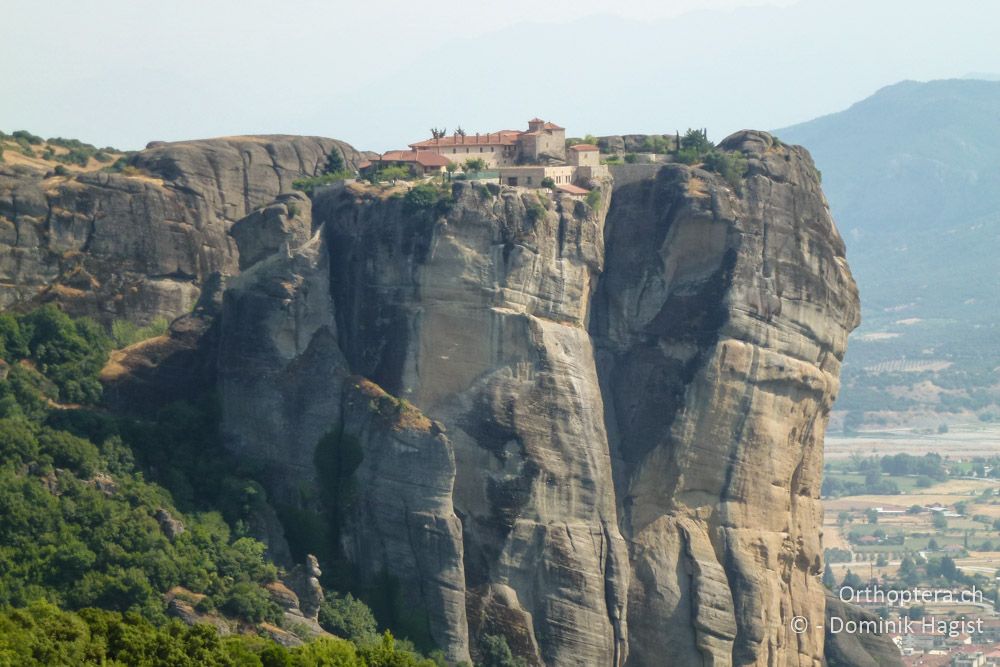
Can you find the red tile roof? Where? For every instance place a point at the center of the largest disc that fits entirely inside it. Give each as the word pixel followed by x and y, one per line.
pixel 571 189
pixel 552 126
pixel 584 147
pixel 423 158
pixel 503 138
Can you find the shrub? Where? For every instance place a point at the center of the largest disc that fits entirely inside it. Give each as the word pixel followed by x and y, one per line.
pixel 345 616
pixel 118 165
pixel 655 144
pixel 28 137
pixel 77 156
pixel 125 333
pixel 68 352
pixel 475 164
pixel 593 198
pixel 309 184
pixel 536 211
pixel 426 197
pixel 250 602
pixel 547 182
pixel 393 173
pixel 631 158
pixel 495 652
pixel 731 166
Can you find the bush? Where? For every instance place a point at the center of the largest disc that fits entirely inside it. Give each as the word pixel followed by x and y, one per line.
pixel 731 166
pixel 631 158
pixel 309 184
pixel 495 652
pixel 426 197
pixel 593 198
pixel 535 210
pixel 24 135
pixel 655 143
pixel 393 173
pixel 475 164
pixel 125 333
pixel 348 617
pixel 250 602
pixel 547 182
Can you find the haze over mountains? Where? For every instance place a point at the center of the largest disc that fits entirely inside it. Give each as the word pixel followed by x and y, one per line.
pixel 378 75
pixel 912 174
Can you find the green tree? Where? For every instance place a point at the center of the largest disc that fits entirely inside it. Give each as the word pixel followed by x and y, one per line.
pixel 334 162
pixel 393 173
pixel 495 652
pixel 908 572
pixel 348 617
pixel 475 164
pixel 852 581
pixel 828 579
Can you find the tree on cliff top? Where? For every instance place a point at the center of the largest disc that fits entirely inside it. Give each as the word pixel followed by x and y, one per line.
pixel 334 162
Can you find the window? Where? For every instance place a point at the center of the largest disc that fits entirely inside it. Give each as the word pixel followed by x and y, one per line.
pixel 512 180
pixel 454 150
pixel 529 180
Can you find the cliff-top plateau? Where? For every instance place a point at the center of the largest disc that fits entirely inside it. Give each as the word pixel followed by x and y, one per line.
pixel 590 426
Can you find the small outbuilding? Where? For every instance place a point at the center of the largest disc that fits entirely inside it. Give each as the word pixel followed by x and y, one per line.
pixel 419 163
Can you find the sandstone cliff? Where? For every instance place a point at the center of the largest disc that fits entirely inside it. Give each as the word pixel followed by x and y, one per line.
pixel 595 431
pixel 140 244
pixel 721 322
pixel 613 448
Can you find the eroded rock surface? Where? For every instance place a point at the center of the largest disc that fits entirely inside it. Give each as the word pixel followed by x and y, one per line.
pixel 595 431
pixel 721 324
pixel 140 244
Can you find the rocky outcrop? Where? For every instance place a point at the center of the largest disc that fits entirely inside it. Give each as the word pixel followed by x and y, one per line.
pixel 856 649
pixel 594 431
pixel 721 322
pixel 140 244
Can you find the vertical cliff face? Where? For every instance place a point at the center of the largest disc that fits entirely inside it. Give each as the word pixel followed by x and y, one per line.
pixel 721 324
pixel 595 431
pixel 475 311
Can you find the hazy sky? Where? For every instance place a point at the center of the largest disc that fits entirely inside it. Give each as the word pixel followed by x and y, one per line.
pixel 379 73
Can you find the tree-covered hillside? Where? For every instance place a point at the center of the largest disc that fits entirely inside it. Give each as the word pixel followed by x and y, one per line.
pixel 92 551
pixel 913 178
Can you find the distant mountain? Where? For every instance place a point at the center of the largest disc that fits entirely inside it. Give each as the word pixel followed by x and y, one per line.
pixel 912 174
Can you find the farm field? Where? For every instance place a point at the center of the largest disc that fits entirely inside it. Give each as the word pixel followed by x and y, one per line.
pixel 952 510
pixel 961 441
